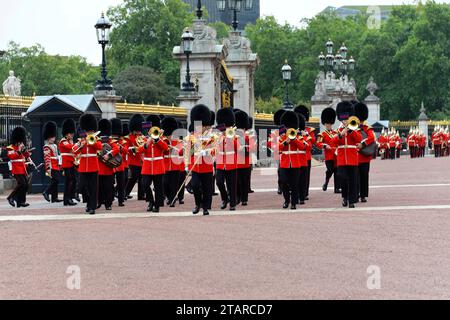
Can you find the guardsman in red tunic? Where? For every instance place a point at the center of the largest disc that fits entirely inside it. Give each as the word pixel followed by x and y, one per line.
pixel 272 144
pixel 244 165
pixel 18 156
pixel 172 160
pixel 226 159
pixel 181 167
pixel 119 172
pixel 105 172
pixel 368 138
pixel 383 145
pixel 51 160
pixel 88 168
pixel 307 140
pixel 411 142
pixel 291 145
pixel 422 144
pixel 347 159
pixel 436 139
pixel 392 144
pixel 325 141
pixel 67 160
pixel 125 133
pixel 399 145
pixel 199 157
pixel 135 141
pixel 303 110
pixel 153 169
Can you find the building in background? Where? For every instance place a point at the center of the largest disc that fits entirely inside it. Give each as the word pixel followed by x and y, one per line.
pixel 350 11
pixel 245 16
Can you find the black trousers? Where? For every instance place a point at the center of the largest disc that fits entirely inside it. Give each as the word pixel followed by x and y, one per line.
pixel 250 180
pixel 308 178
pixel 157 180
pixel 69 184
pixel 412 152
pixel 106 190
pixel 88 187
pixel 202 186
pixel 289 178
pixel 392 153
pixel 363 172
pixel 134 176
pixel 19 194
pixel 332 172
pixel 171 183
pixel 398 153
pixel 228 193
pixel 243 184
pixel 349 183
pixel 120 187
pixel 52 186
pixel 302 183
pixel 437 151
pixel 181 185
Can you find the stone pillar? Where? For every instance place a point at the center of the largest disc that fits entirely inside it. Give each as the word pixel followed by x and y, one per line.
pixel 373 102
pixel 204 62
pixel 107 102
pixel 188 100
pixel 242 63
pixel 423 125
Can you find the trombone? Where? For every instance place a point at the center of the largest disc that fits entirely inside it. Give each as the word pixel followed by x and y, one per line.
pixel 91 139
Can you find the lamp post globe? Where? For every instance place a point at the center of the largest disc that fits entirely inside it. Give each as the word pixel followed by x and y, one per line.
pixel 286 72
pixel 187 40
pixel 103 28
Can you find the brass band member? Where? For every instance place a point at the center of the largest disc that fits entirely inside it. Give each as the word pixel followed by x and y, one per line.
pixel 347 140
pixel 87 148
pixel 272 144
pixel 325 141
pixel 243 159
pixel 67 161
pixel 51 159
pixel 134 158
pixel 18 155
pixel 226 160
pixel 303 158
pixel 181 168
pixel 125 133
pixel 119 172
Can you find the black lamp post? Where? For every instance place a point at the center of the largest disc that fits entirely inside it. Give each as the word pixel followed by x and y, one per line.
pixel 199 11
pixel 103 28
pixel 188 42
pixel 235 6
pixel 286 71
pixel 339 61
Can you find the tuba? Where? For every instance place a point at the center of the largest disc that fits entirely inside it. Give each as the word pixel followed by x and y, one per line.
pixel 353 123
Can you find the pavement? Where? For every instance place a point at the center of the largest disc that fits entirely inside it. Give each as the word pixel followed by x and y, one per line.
pixel 396 246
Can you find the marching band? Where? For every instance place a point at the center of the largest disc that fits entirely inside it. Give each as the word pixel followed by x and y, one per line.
pixel 110 157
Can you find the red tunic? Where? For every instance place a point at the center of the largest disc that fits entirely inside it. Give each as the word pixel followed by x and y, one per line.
pixel 311 142
pixel 204 163
pixel 134 157
pixel 103 169
pixel 88 156
pixel 347 149
pixel 227 150
pixel 123 149
pixel 18 160
pixel 244 157
pixel 153 157
pixel 67 156
pixel 173 157
pixel 51 158
pixel 324 139
pixel 290 153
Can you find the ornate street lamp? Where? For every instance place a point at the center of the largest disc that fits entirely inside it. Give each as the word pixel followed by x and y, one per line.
pixel 248 4
pixel 286 71
pixel 187 41
pixel 351 64
pixel 199 9
pixel 221 5
pixel 322 60
pixel 235 6
pixel 103 28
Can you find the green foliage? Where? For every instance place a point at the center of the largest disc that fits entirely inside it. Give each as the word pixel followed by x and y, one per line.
pixel 45 74
pixel 268 106
pixel 136 84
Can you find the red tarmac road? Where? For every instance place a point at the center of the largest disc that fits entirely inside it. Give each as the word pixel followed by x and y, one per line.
pixel 259 252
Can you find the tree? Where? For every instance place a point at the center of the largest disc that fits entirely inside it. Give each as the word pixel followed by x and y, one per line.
pixel 137 84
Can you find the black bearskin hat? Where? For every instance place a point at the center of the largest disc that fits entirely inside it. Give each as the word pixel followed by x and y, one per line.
pixel 116 127
pixel 303 110
pixel 277 116
pixel 136 122
pixel 201 113
pixel 250 123
pixel 154 119
pixel 19 134
pixel 88 123
pixel 169 125
pixel 191 128
pixel 361 111
pixel 180 124
pixel 104 126
pixel 290 120
pixel 301 122
pixel 212 121
pixel 49 130
pixel 68 126
pixel 236 110
pixel 125 129
pixel 328 116
pixel 344 110
pixel 225 117
pixel 241 120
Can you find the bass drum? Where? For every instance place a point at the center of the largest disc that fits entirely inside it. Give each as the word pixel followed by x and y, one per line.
pixel 369 150
pixel 113 162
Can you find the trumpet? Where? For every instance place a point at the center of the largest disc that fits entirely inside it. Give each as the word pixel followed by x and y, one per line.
pixel 292 133
pixel 92 138
pixel 353 123
pixel 230 132
pixel 155 133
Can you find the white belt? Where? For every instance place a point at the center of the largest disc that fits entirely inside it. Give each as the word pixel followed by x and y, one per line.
pixel 88 155
pixel 67 155
pixel 294 152
pixel 54 158
pixel 173 157
pixel 153 159
pixel 19 160
pixel 227 153
pixel 347 147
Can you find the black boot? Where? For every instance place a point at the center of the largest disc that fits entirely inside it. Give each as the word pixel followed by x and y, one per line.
pixel 11 202
pixel 46 196
pixel 344 203
pixel 285 205
pixel 224 205
pixel 205 212
pixel 196 210
pixel 150 207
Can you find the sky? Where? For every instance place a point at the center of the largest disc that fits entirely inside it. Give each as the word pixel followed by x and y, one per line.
pixel 66 27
